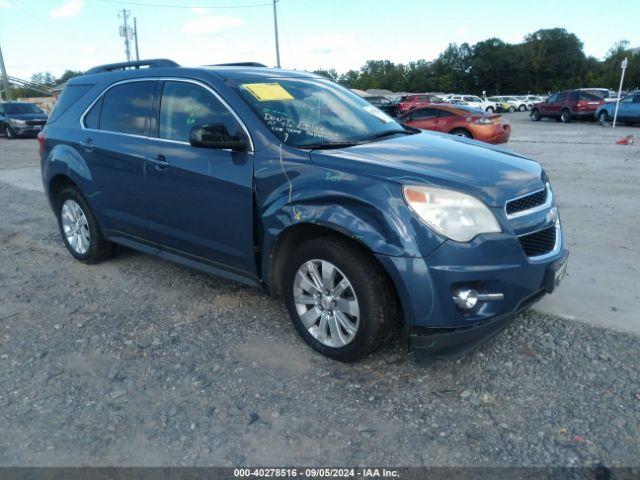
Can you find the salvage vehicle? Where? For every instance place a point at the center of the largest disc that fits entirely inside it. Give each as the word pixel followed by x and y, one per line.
pixel 628 110
pixel 461 120
pixel 409 102
pixel 21 119
pixel 288 181
pixel 384 104
pixel 567 105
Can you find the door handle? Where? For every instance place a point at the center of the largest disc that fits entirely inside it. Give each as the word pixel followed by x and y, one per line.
pixel 88 145
pixel 159 162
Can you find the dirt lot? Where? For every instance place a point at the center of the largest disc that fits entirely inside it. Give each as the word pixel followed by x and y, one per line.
pixel 137 361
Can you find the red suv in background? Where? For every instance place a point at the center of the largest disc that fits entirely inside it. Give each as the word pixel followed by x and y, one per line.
pixel 409 102
pixel 566 105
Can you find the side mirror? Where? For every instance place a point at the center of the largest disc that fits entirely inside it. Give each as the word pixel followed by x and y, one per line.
pixel 216 135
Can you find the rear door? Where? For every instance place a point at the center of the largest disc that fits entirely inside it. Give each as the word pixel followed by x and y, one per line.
pixel 201 198
pixel 113 143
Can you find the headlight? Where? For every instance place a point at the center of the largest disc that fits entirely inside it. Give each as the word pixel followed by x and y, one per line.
pixel 17 121
pixel 453 214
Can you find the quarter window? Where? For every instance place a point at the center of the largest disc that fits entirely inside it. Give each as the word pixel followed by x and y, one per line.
pixel 185 105
pixel 126 108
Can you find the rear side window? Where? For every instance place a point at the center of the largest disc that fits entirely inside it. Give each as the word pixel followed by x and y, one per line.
pixel 590 97
pixel 92 119
pixel 69 96
pixel 185 105
pixel 561 97
pixel 127 108
pixel 424 114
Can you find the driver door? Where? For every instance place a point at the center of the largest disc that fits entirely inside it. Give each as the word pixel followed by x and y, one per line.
pixel 201 198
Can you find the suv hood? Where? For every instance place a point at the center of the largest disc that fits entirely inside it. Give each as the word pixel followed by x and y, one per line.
pixel 490 173
pixel 28 116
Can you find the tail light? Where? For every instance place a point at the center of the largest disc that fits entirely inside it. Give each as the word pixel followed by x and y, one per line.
pixel 41 140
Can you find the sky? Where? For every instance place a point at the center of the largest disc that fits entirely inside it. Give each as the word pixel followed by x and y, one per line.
pixel 56 35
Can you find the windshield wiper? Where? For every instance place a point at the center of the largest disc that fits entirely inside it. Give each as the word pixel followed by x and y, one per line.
pixel 327 145
pixel 385 133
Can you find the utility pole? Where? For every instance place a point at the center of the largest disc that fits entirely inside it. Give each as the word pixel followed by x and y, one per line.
pixel 275 25
pixel 5 79
pixel 124 31
pixel 135 35
pixel 623 67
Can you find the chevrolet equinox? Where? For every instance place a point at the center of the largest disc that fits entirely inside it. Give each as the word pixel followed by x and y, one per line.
pixel 289 181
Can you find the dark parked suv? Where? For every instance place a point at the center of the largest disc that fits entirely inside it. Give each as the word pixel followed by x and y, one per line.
pixel 21 119
pixel 288 181
pixel 564 106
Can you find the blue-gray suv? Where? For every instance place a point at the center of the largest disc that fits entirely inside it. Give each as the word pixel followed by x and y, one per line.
pixel 288 181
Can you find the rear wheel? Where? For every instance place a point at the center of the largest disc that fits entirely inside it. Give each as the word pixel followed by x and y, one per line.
pixel 535 115
pixel 522 108
pixel 565 116
pixel 340 300
pixel 461 132
pixel 512 109
pixel 79 229
pixel 489 110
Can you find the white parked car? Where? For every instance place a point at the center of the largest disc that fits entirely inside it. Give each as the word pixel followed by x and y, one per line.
pixel 474 101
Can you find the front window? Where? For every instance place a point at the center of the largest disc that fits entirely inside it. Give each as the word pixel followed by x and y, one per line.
pixel 308 113
pixel 21 108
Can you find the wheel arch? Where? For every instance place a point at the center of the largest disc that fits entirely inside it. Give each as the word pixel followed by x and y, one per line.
pixel 299 233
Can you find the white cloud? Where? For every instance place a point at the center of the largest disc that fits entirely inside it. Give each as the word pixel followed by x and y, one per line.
pixel 5 4
pixel 199 10
pixel 68 9
pixel 89 49
pixel 210 24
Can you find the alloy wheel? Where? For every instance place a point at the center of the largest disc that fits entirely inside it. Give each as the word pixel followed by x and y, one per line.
pixel 326 303
pixel 75 226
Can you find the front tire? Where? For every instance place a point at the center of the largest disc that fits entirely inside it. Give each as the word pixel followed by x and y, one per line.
pixel 339 299
pixel 9 133
pixel 603 117
pixel 512 109
pixel 565 116
pixel 535 115
pixel 522 108
pixel 489 110
pixel 79 230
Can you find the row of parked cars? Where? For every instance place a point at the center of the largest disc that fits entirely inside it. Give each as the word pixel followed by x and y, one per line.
pixel 475 117
pixel 588 104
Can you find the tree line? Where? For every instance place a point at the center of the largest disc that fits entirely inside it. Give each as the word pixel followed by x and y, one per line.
pixel 547 60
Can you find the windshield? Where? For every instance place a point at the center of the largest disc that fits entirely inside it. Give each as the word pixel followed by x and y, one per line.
pixel 20 108
pixel 308 113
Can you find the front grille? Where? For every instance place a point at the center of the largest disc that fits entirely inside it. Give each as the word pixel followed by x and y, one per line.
pixel 36 122
pixel 527 202
pixel 539 243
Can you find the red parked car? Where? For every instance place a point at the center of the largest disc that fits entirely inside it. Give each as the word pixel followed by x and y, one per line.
pixel 460 120
pixel 410 102
pixel 564 106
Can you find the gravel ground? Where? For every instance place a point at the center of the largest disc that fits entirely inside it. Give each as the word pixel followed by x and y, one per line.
pixel 138 361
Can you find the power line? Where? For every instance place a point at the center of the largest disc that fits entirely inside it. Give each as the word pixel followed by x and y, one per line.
pixel 164 5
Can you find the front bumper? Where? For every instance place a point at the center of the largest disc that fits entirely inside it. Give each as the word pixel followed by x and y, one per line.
pixel 490 264
pixel 450 343
pixel 26 130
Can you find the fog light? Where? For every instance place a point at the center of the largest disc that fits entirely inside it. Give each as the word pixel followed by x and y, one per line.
pixel 466 299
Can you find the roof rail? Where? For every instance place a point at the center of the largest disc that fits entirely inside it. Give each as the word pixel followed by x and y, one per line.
pixel 238 64
pixel 152 63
